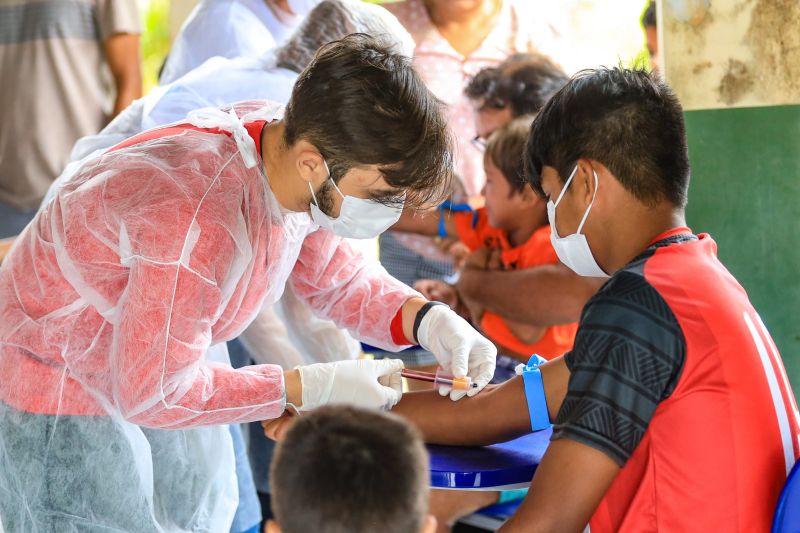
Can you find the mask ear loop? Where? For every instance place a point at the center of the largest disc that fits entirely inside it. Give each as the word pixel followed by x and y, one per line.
pixel 586 214
pixel 330 177
pixel 310 188
pixel 313 196
pixel 566 186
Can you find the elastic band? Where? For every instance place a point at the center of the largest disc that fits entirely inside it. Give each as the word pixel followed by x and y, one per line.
pixel 396 328
pixel 420 315
pixel 534 393
pixel 442 225
pixel 591 204
pixel 566 185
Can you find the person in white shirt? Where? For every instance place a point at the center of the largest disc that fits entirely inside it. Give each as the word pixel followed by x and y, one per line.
pixel 232 28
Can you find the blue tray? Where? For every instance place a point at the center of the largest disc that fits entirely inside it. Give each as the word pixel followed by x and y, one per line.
pixel 500 466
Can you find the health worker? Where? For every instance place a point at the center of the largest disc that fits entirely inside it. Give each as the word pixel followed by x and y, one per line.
pixel 169 243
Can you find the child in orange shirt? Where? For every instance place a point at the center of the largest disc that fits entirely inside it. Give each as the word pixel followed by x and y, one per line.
pixel 513 227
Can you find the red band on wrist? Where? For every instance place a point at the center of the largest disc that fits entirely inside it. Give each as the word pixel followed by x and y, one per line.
pixel 396 328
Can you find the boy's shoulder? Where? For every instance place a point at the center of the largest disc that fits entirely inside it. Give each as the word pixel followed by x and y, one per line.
pixel 473 229
pixel 632 278
pixel 634 301
pixel 538 249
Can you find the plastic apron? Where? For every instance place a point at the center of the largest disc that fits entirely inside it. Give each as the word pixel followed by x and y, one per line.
pixel 69 464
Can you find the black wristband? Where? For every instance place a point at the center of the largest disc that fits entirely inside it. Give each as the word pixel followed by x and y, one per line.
pixel 420 315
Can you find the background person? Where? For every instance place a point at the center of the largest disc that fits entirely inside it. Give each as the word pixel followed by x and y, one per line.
pixel 554 294
pixel 65 69
pixel 520 85
pixel 650 26
pixel 512 230
pixel 454 41
pixel 232 28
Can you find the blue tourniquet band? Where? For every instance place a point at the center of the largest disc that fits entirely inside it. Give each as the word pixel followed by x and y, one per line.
pixel 534 393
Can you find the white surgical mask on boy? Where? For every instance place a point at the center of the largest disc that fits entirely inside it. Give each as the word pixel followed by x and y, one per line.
pixel 358 218
pixel 573 250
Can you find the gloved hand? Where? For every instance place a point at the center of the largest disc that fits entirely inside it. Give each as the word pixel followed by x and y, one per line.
pixel 361 382
pixel 458 347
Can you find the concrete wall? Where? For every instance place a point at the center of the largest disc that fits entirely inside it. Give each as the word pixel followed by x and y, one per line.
pixel 722 53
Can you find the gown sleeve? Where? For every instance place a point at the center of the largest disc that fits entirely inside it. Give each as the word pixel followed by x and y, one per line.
pixel 357 293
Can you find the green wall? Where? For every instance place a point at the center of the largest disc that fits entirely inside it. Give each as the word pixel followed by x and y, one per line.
pixel 745 192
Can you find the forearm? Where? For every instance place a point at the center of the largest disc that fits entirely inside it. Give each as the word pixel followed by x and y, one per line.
pixel 356 293
pixel 293 387
pixel 554 294
pixel 425 223
pixel 122 54
pixel 127 92
pixel 177 400
pixel 497 414
pixel 409 315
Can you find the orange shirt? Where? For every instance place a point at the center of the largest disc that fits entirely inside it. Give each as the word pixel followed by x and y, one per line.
pixel 474 231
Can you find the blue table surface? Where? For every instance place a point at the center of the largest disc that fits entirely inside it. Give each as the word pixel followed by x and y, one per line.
pixel 498 465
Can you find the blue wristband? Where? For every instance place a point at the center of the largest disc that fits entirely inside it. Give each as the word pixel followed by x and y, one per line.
pixel 534 393
pixel 442 226
pixel 454 208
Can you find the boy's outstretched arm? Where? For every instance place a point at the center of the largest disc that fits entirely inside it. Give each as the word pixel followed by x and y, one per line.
pixel 426 222
pixel 557 295
pixel 572 477
pixel 495 415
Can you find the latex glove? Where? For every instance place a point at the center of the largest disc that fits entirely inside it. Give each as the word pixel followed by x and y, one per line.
pixel 362 383
pixel 458 347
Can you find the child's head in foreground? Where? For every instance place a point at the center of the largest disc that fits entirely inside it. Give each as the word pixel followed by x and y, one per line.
pixel 346 470
pixel 509 199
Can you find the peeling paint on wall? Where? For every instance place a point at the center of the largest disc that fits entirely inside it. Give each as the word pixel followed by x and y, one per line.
pixel 736 83
pixel 720 53
pixel 774 37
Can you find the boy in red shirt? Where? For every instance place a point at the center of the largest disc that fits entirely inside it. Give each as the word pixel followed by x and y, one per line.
pixel 513 229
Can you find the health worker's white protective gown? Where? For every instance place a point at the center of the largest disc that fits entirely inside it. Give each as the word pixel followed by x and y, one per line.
pixel 164 246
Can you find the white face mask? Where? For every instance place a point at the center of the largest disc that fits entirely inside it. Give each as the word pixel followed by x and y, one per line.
pixel 573 250
pixel 358 218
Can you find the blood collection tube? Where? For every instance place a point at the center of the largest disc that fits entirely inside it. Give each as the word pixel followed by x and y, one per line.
pixel 441 377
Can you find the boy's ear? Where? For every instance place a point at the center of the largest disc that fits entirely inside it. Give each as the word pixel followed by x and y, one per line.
pixel 272 527
pixel 429 525
pixel 529 196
